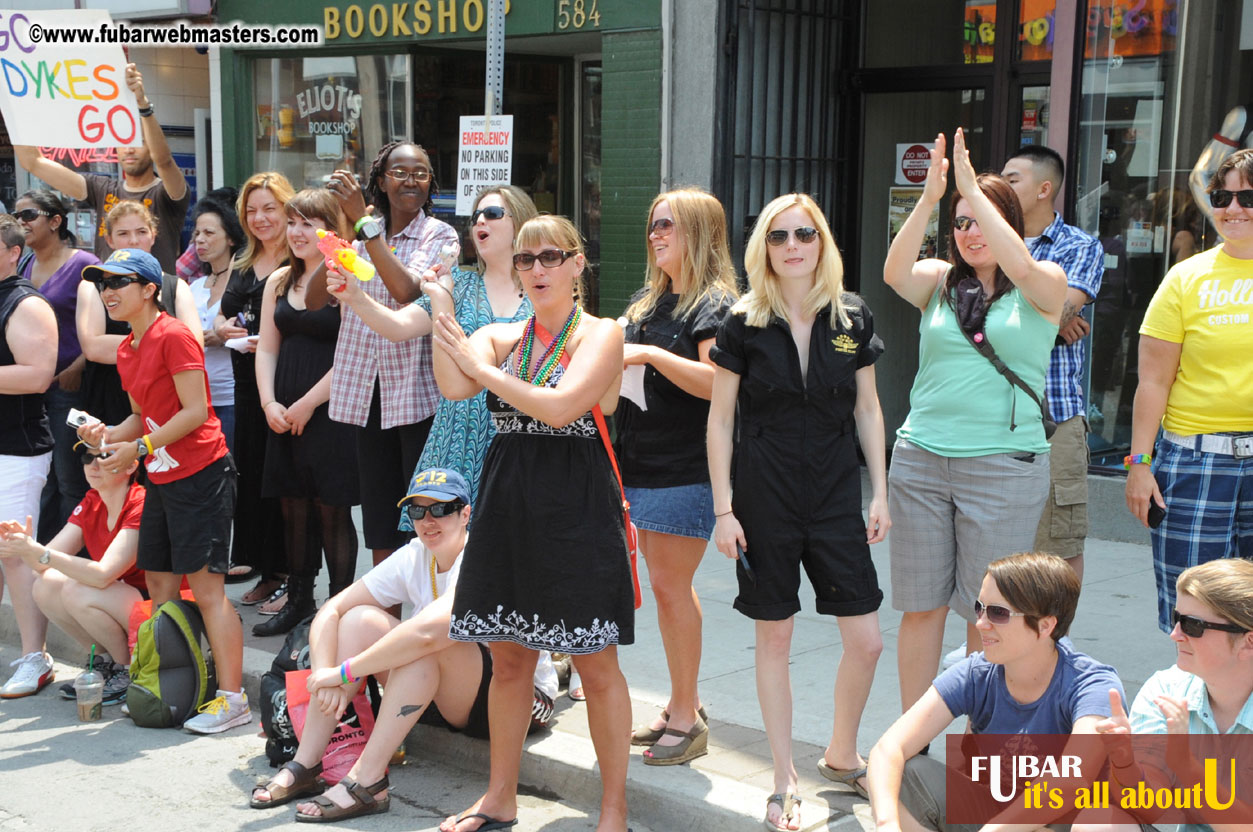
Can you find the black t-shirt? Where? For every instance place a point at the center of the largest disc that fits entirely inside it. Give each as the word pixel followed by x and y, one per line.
pixel 664 446
pixel 103 193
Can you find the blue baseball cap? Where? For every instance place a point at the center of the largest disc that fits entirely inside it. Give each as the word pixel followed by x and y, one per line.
pixel 442 484
pixel 126 261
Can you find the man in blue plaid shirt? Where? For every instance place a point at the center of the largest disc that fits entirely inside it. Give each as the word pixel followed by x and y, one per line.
pixel 1035 173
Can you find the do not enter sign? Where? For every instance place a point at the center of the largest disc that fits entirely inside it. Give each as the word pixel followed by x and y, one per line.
pixel 912 161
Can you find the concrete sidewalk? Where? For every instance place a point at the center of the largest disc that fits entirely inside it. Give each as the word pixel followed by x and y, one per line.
pixel 727 789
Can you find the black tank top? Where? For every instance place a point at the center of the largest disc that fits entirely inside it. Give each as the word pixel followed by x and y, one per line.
pixel 24 429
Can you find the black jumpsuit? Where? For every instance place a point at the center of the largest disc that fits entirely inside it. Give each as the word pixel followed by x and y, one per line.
pixel 797 484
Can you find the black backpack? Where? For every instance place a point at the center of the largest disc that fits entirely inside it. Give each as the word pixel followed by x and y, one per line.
pixel 280 739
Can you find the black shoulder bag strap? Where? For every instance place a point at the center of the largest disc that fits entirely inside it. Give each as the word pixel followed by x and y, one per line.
pixel 169 291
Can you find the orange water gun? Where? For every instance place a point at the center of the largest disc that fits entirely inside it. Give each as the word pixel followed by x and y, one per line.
pixel 341 254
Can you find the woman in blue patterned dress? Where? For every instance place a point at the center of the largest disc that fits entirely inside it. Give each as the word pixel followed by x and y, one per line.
pixel 462 430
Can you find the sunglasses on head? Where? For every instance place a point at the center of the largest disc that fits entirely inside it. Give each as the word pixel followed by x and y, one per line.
pixel 661 227
pixel 995 612
pixel 1195 627
pixel 964 223
pixel 29 214
pixel 548 258
pixel 1221 198
pixel 804 234
pixel 88 456
pixel 491 212
pixel 436 510
pixel 115 281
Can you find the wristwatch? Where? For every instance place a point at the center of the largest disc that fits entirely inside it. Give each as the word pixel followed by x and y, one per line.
pixel 141 448
pixel 44 558
pixel 369 230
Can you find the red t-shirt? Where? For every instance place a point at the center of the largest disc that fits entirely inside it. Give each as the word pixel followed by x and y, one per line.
pixel 92 516
pixel 147 372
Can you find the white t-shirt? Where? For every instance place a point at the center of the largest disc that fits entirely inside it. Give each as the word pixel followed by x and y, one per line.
pixel 217 360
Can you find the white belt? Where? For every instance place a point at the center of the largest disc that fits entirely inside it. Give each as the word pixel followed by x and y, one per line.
pixel 1240 446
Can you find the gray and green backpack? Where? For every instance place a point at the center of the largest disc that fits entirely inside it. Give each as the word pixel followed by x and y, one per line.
pixel 172 671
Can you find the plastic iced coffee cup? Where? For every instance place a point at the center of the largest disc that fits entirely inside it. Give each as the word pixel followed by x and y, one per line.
pixel 89 688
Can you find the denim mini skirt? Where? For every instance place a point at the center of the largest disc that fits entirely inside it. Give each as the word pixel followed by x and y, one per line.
pixel 681 510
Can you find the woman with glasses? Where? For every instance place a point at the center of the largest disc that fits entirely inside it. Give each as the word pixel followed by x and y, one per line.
pixel 970 468
pixel 1026 681
pixel 90 598
pixel 462 430
pixel 310 463
pixel 547 566
pixel 796 359
pixel 670 327
pixel 56 271
pixel 1194 384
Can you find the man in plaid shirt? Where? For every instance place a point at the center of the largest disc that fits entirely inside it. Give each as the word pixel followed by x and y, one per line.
pixel 1035 173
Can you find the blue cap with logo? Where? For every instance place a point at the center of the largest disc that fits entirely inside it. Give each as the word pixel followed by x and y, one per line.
pixel 126 261
pixel 442 484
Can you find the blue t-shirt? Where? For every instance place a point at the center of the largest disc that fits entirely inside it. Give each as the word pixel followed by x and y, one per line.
pixel 976 688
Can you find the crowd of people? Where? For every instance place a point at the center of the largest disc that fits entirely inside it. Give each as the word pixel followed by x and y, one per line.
pixel 186 433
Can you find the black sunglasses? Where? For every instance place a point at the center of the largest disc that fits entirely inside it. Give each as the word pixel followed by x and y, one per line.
pixel 661 227
pixel 87 456
pixel 30 214
pixel 1221 198
pixel 548 258
pixel 115 281
pixel 402 176
pixel 1196 627
pixel 804 234
pixel 995 612
pixel 491 212
pixel 964 223
pixel 436 510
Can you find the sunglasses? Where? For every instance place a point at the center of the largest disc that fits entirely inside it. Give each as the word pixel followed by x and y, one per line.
pixel 548 258
pixel 30 214
pixel 661 227
pixel 436 510
pixel 1196 627
pixel 964 223
pixel 115 281
pixel 400 175
pixel 804 234
pixel 1221 198
pixel 995 612
pixel 88 457
pixel 491 212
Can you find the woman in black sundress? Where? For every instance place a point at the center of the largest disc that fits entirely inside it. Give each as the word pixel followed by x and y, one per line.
pixel 547 566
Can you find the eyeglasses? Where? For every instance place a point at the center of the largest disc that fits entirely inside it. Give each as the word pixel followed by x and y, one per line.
pixel 401 175
pixel 804 234
pixel 115 281
pixel 995 612
pixel 964 223
pixel 1195 627
pixel 1219 198
pixel 29 214
pixel 491 212
pixel 661 227
pixel 548 258
pixel 436 510
pixel 87 456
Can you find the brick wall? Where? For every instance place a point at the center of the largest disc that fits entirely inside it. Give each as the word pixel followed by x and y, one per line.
pixel 630 159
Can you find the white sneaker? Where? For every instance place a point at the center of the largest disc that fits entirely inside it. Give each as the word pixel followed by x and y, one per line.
pixel 221 714
pixel 34 671
pixel 953 656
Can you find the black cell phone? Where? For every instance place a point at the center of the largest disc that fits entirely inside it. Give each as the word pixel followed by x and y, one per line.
pixel 1156 514
pixel 748 567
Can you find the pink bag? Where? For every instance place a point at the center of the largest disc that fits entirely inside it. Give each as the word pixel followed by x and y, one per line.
pixel 350 736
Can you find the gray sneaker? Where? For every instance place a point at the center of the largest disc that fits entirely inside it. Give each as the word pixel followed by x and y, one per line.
pixel 101 665
pixel 115 685
pixel 220 714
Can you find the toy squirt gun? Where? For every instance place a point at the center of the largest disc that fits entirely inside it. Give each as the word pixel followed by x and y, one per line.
pixel 341 254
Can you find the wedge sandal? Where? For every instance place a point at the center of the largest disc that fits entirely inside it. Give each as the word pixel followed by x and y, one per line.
pixel 646 735
pixel 305 783
pixel 363 803
pixel 695 744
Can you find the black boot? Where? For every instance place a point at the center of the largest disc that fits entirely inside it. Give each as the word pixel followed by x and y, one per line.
pixel 298 607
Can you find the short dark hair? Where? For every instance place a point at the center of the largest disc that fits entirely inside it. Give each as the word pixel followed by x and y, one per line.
pixel 1038 585
pixel 222 204
pixel 1241 161
pixel 11 233
pixel 1047 156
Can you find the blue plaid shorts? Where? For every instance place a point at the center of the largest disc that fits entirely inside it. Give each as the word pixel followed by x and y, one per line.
pixel 1209 514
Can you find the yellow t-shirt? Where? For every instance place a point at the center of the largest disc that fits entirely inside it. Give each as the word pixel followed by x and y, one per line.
pixel 1205 303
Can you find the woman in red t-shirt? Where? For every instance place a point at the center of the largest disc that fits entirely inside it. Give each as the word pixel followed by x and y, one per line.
pixel 91 599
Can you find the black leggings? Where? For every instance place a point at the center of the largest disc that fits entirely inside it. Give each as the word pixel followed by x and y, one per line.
pixel 312 528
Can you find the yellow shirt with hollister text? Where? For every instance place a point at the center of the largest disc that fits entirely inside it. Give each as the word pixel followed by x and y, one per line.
pixel 1205 304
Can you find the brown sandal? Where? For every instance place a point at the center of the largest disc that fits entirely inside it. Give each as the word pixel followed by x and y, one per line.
pixel 305 783
pixel 645 735
pixel 695 744
pixel 364 803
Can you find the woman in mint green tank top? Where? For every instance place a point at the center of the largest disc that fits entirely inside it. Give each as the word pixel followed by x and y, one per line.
pixel 970 468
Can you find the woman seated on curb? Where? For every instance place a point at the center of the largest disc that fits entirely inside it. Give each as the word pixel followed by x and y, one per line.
pixel 353 636
pixel 90 600
pixel 1026 681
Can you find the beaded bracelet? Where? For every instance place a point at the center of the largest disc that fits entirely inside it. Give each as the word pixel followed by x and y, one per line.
pixel 1136 459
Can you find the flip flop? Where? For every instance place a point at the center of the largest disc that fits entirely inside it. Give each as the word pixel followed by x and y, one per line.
pixel 788 802
pixel 845 776
pixel 489 822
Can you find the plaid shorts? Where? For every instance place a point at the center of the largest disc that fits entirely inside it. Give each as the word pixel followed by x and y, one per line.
pixel 1209 515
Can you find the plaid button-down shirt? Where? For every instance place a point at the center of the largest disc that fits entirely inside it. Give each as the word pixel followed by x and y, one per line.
pixel 407 389
pixel 1080 255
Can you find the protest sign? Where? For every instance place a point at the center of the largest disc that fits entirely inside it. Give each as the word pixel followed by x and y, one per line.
pixel 484 158
pixel 64 95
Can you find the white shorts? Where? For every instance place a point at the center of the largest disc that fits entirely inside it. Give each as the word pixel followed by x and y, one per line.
pixel 22 480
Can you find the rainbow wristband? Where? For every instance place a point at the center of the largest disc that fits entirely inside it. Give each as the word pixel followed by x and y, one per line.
pixel 345 673
pixel 1136 459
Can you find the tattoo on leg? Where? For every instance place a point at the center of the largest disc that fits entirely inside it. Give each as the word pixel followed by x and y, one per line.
pixel 406 710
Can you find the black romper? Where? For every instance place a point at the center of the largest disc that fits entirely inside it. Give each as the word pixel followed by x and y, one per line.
pixel 797 483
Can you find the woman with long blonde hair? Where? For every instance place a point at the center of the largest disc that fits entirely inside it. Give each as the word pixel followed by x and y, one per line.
pixel 670 328
pixel 796 357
